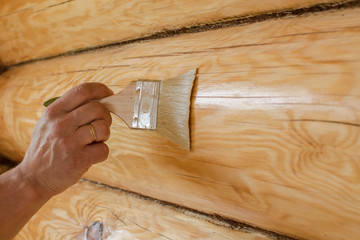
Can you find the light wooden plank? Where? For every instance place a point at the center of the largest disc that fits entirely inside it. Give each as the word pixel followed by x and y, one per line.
pixel 275 121
pixel 41 28
pixel 123 215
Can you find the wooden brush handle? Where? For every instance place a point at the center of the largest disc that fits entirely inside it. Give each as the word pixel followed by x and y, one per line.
pixel 121 104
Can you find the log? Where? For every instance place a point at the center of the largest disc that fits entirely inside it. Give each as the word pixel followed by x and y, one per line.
pixel 43 28
pixel 274 121
pixel 122 216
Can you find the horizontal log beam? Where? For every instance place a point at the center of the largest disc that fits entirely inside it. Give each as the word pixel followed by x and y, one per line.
pixel 43 28
pixel 121 215
pixel 274 121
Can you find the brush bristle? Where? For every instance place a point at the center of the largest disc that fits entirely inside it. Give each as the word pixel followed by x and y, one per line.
pixel 174 108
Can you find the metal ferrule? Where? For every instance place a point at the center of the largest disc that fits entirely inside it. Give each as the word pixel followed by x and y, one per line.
pixel 146 104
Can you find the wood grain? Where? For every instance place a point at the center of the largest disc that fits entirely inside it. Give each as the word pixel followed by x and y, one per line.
pixel 123 215
pixel 42 28
pixel 274 123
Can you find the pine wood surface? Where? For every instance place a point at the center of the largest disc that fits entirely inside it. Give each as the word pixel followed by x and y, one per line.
pixel 274 121
pixel 124 216
pixel 41 28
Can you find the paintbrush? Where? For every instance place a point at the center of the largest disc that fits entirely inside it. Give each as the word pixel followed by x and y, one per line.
pixel 161 105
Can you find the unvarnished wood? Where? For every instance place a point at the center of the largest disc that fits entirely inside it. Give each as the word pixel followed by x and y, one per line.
pixel 274 121
pixel 42 28
pixel 123 215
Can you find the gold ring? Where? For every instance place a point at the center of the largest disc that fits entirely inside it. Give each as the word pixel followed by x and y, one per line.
pixel 92 131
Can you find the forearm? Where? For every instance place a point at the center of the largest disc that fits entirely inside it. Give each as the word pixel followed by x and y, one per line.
pixel 61 150
pixel 19 201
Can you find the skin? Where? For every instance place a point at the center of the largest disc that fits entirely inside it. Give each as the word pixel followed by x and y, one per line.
pixel 60 152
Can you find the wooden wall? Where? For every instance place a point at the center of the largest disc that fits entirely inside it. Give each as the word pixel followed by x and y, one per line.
pixel 43 28
pixel 124 216
pixel 274 114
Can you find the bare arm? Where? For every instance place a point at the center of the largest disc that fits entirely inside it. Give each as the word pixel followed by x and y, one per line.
pixel 61 150
pixel 19 201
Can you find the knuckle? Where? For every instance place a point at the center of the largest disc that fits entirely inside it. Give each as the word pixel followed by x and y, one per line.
pixel 98 108
pixel 83 90
pixel 104 126
pixel 104 151
pixel 108 117
pixel 65 146
pixel 56 127
pixel 107 134
pixel 61 125
pixel 49 113
pixel 105 130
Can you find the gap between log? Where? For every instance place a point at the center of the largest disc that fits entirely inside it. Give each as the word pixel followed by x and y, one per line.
pixel 212 218
pixel 202 27
pixel 2 69
pixel 6 164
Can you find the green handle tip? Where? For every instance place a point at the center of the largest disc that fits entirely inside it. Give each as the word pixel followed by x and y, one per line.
pixel 50 101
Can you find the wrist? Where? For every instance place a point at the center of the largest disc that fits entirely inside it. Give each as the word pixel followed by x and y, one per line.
pixel 31 185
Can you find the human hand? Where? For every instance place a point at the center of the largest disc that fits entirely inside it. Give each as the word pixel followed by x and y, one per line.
pixel 62 147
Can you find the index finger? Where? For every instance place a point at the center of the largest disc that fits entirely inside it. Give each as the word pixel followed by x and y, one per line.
pixel 82 94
